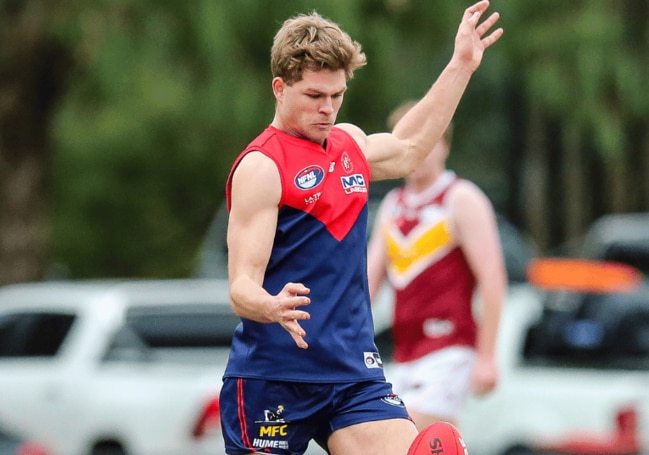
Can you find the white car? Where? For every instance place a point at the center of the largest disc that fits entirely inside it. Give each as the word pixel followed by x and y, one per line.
pixel 114 367
pixel 564 379
pixel 574 375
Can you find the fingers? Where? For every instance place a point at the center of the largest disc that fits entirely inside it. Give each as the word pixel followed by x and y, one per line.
pixel 291 297
pixel 299 341
pixel 484 389
pixel 484 378
pixel 474 12
pixel 295 329
pixel 297 290
pixel 495 36
pixel 487 24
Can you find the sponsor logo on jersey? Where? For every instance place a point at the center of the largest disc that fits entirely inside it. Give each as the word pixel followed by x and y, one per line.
pixel 313 198
pixel 354 183
pixel 436 328
pixel 372 360
pixel 309 177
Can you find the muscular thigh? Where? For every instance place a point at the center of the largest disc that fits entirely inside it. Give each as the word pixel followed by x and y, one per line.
pixel 380 437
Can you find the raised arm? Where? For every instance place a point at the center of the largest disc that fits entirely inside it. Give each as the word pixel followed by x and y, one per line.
pixel 251 230
pixel 398 154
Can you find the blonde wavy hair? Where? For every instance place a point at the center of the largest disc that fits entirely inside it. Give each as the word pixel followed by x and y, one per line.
pixel 311 42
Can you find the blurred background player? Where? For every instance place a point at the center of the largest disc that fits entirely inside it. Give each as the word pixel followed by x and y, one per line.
pixel 436 241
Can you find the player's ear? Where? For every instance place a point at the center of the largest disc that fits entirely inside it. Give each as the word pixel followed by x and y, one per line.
pixel 278 85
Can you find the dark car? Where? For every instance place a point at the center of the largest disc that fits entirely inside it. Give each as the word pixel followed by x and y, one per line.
pixel 621 237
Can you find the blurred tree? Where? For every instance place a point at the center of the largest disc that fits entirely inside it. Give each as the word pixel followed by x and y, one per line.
pixel 167 93
pixel 33 72
pixel 581 65
pixel 163 94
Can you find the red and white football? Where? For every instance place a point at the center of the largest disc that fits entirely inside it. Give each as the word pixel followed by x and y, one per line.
pixel 439 438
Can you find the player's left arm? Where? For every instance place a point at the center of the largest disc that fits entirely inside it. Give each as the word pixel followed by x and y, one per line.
pixel 389 156
pixel 397 154
pixel 474 224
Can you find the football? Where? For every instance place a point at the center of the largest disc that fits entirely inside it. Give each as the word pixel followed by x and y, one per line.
pixel 439 438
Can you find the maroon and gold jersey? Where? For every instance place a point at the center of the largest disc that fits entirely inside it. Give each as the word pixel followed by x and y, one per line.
pixel 433 282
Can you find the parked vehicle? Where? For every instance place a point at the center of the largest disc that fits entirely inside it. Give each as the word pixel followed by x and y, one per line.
pixel 574 374
pixel 13 444
pixel 621 237
pixel 115 367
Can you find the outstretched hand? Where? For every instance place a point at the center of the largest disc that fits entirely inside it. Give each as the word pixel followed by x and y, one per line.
pixel 472 39
pixel 286 314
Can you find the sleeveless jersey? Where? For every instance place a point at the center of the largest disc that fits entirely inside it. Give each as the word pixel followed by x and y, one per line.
pixel 433 282
pixel 321 242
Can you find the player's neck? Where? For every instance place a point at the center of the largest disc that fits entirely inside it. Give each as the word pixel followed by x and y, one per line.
pixel 420 184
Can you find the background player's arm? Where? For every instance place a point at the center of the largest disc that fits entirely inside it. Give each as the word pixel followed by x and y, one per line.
pixel 474 224
pixel 377 259
pixel 256 191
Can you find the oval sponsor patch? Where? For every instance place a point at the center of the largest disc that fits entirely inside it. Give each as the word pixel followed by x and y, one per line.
pixel 309 177
pixel 394 400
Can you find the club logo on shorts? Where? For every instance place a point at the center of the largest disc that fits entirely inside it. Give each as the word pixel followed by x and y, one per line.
pixel 309 177
pixel 394 400
pixel 273 430
pixel 372 360
pixel 274 416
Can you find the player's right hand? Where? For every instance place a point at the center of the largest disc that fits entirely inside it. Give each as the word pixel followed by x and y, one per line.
pixel 285 311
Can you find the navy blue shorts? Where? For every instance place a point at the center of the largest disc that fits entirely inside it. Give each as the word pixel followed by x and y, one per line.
pixel 282 417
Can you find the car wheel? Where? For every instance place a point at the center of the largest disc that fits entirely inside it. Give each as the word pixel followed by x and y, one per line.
pixel 519 450
pixel 108 450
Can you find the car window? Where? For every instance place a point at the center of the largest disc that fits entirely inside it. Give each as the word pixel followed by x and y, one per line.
pixel 603 331
pixel 636 255
pixel 196 325
pixel 619 237
pixel 24 334
pixel 187 333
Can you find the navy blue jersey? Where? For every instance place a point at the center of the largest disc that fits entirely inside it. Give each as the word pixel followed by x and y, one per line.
pixel 320 241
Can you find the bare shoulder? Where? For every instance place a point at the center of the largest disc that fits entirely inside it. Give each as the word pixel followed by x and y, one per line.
pixel 256 180
pixel 469 205
pixel 256 165
pixel 355 132
pixel 466 192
